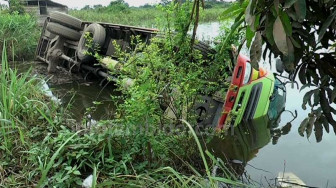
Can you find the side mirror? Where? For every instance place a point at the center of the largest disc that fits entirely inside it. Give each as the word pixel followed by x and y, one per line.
pixel 279 66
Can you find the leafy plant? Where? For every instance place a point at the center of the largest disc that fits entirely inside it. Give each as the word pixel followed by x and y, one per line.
pixel 135 148
pixel 302 33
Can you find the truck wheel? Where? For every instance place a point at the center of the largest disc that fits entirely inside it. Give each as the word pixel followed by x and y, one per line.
pixel 98 35
pixel 63 31
pixel 66 20
pixel 204 48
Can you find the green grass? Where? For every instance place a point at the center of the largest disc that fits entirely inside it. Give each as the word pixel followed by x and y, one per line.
pixel 38 147
pixel 20 103
pixel 143 17
pixel 21 33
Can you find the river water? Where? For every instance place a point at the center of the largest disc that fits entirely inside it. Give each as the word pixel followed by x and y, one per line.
pixel 312 162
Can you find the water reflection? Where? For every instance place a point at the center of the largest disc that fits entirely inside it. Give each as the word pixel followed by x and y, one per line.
pixel 87 101
pixel 242 143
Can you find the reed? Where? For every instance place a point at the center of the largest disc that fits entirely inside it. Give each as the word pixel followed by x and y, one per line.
pixel 21 33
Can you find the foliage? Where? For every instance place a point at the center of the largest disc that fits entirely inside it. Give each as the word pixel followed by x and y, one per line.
pixel 142 16
pixel 39 148
pixel 118 6
pixel 21 33
pixel 23 116
pixel 43 149
pixel 216 4
pixel 303 34
pixel 168 72
pixel 15 6
pixel 114 7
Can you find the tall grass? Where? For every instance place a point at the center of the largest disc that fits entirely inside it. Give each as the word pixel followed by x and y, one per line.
pixel 21 33
pixel 21 100
pixel 143 17
pixel 14 101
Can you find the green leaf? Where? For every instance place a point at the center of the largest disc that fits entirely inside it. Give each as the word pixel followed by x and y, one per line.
pixel 269 29
pixel 303 126
pixel 302 74
pixel 228 37
pixel 276 5
pixel 318 130
pixel 307 97
pixel 249 17
pixel 46 168
pixel 325 123
pixel 300 9
pixel 333 95
pixel 333 110
pixel 286 23
pixel 289 3
pixel 253 6
pixel 296 24
pixel 326 24
pixel 290 57
pixel 310 125
pixel 305 86
pixel 316 98
pixel 295 43
pixel 314 75
pixel 234 7
pixel 249 36
pixel 256 22
pixel 228 15
pixel 256 50
pixel 76 172
pixel 279 35
pixel 292 14
pixel 286 129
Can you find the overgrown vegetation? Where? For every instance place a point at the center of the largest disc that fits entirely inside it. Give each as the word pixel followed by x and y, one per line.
pixel 119 12
pixel 40 147
pixel 21 33
pixel 170 75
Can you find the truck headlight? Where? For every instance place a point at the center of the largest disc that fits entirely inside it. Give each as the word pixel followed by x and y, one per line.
pixel 247 74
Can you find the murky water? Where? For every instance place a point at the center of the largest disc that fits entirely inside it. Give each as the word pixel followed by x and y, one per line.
pixel 314 163
pixel 87 100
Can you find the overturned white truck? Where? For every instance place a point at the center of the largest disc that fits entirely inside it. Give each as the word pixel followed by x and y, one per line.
pixel 63 43
pixel 63 39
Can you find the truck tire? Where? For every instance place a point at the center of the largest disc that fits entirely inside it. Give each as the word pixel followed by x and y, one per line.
pixel 63 31
pixel 204 49
pixel 98 34
pixel 66 20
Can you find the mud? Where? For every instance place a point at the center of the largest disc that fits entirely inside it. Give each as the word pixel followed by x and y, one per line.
pixel 60 77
